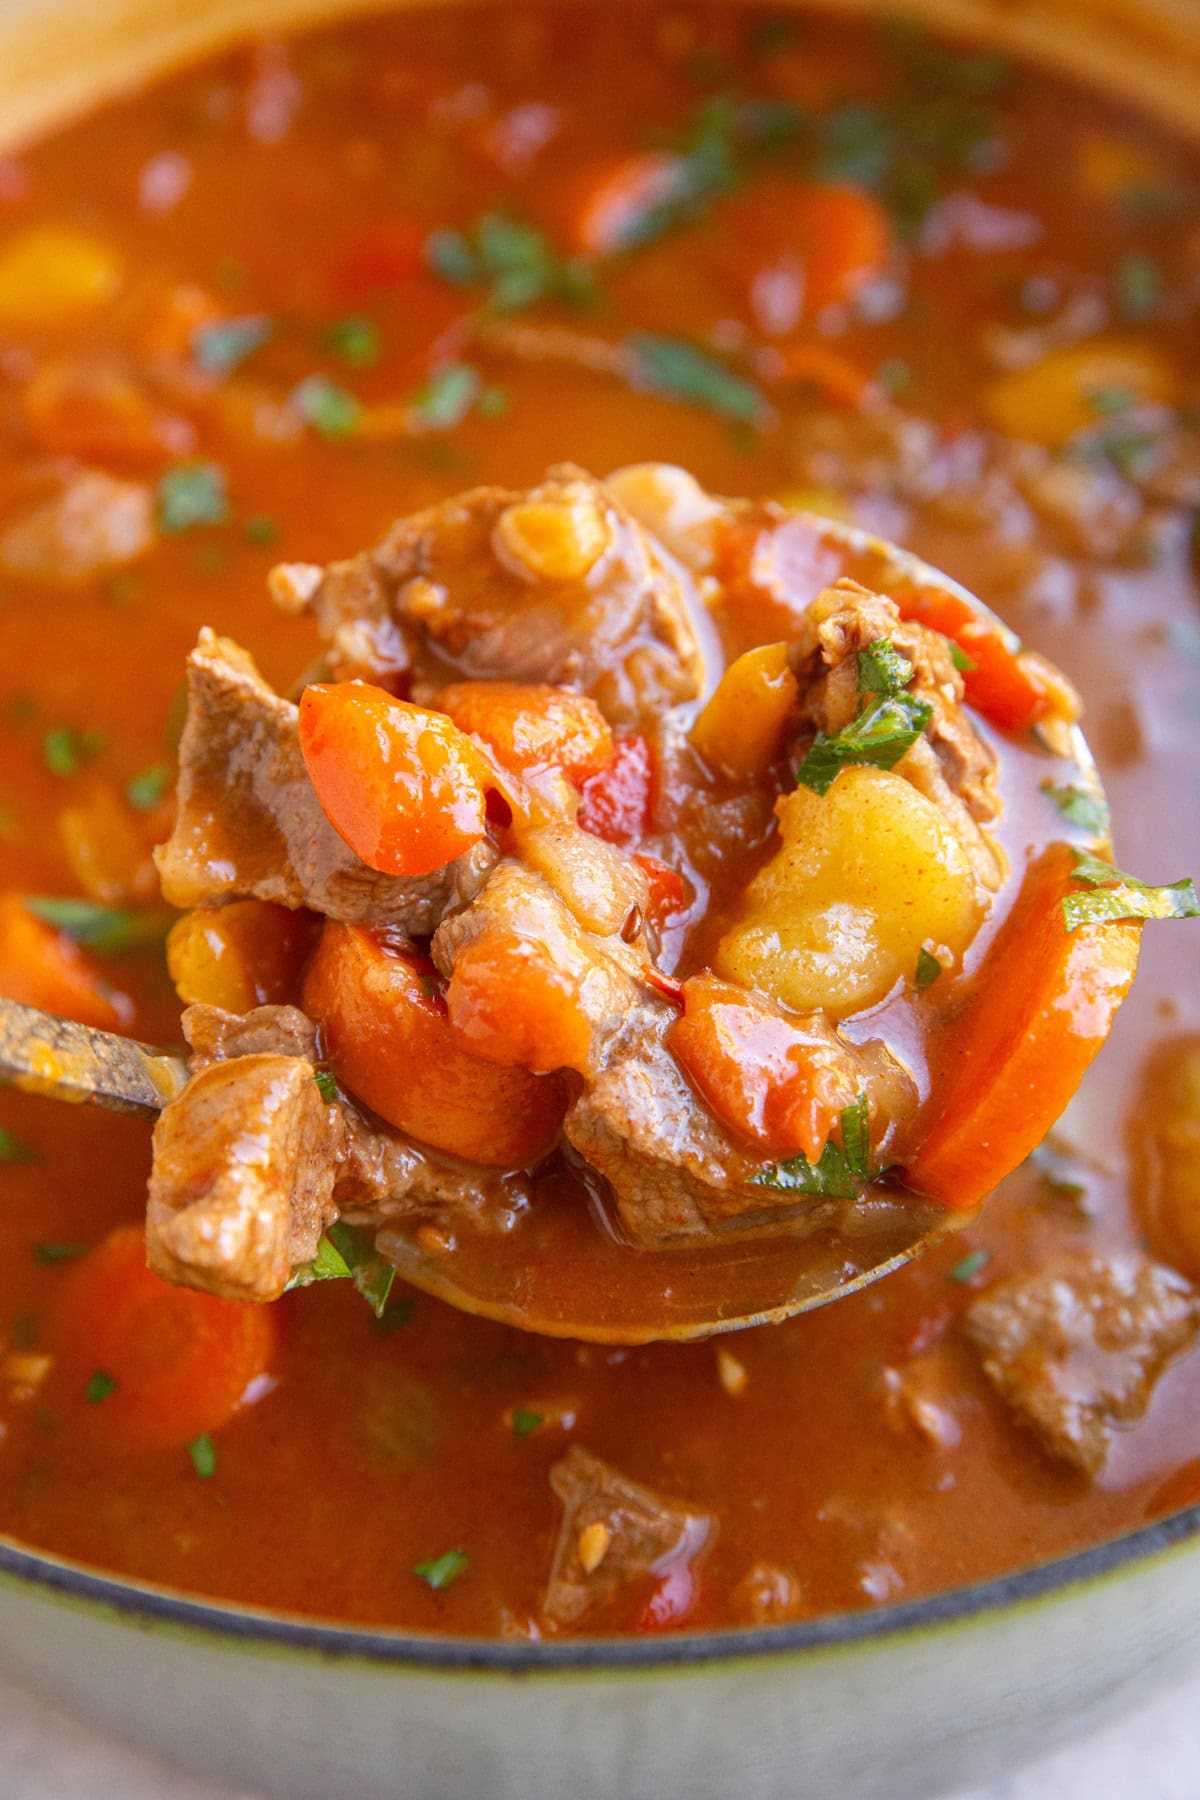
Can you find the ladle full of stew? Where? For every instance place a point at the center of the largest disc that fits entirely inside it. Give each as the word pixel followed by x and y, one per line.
pixel 655 915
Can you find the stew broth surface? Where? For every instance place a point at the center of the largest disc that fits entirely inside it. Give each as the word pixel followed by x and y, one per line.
pixel 270 180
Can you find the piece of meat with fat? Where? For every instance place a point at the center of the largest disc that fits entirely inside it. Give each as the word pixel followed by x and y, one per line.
pixel 557 584
pixel 614 1531
pixel 242 1182
pixel 1076 1346
pixel 950 763
pixel 249 824
pixel 93 523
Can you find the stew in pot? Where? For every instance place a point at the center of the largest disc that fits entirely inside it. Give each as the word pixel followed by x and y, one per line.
pixel 629 863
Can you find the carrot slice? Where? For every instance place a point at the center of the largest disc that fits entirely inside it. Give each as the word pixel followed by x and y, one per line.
pixel 40 966
pixel 155 1365
pixel 834 234
pixel 511 1001
pixel 389 1038
pixel 1044 1003
pixel 1012 688
pixel 531 726
pixel 404 787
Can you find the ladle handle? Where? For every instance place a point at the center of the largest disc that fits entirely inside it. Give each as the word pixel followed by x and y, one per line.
pixel 43 1054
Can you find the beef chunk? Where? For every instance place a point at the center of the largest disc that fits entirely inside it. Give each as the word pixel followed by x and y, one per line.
pixel 1076 1346
pixel 613 1531
pixel 676 1172
pixel 950 764
pixel 242 1184
pixel 555 585
pixel 249 823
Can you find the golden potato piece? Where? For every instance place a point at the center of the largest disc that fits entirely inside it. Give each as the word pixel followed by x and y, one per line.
pixel 864 877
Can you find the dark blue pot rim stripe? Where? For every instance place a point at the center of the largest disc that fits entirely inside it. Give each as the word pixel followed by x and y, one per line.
pixel 148 1606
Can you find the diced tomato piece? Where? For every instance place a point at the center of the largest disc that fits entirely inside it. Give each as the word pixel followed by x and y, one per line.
pixel 616 802
pixel 669 891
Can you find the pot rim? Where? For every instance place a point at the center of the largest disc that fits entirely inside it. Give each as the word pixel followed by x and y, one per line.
pixel 147 1605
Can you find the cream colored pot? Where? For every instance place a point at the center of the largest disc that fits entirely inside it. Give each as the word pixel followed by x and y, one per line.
pixel 904 1702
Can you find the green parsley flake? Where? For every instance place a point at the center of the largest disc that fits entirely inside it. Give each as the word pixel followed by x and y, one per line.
pixel 327 1087
pixel 190 495
pixel 203 1453
pixel 958 656
pixel 447 396
pixel 894 375
pixel 100 1385
pixel 525 1423
pixel 146 789
pixel 260 530
pixel 1080 806
pixel 970 1266
pixel 1138 286
pixel 441 1570
pixel 65 750
pixel 329 409
pixel 514 262
pixel 46 1255
pixel 885 730
pixel 15 1150
pixel 928 970
pixel 344 1251
pixel 1116 895
pixel 355 339
pixel 108 930
pixel 882 669
pixel 1062 1173
pixel 220 348
pixel 841 1170
pixel 673 367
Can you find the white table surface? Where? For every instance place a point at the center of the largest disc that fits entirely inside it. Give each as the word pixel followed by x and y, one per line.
pixel 1153 1754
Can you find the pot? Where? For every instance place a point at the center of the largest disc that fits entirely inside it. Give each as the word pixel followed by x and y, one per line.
pixel 905 1701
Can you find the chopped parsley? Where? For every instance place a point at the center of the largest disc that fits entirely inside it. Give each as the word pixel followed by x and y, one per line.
pixel 100 1385
pixel 15 1150
pixel 190 495
pixel 330 409
pixel 513 262
pixel 524 1422
pixel 1063 1174
pixel 441 1570
pixel 327 1087
pixel 447 396
pixel 65 750
pixel 354 339
pixel 928 970
pixel 841 1170
pixel 958 656
pixel 145 789
pixel 260 530
pixel 108 930
pixel 677 369
pixel 882 669
pixel 203 1453
pixel 1116 895
pixel 1080 806
pixel 345 1251
pixel 46 1254
pixel 894 375
pixel 1138 286
pixel 970 1266
pixel 220 348
pixel 885 730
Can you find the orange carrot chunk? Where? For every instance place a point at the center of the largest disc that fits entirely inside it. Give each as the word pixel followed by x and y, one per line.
pixel 1044 1003
pixel 153 1365
pixel 404 787
pixel 1012 688
pixel 530 726
pixel 758 1068
pixel 513 1004
pixel 40 966
pixel 387 1034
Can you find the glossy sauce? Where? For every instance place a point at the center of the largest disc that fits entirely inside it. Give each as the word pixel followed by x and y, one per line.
pixel 377 1449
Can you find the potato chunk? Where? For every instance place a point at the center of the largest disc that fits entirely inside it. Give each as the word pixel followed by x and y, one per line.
pixel 864 877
